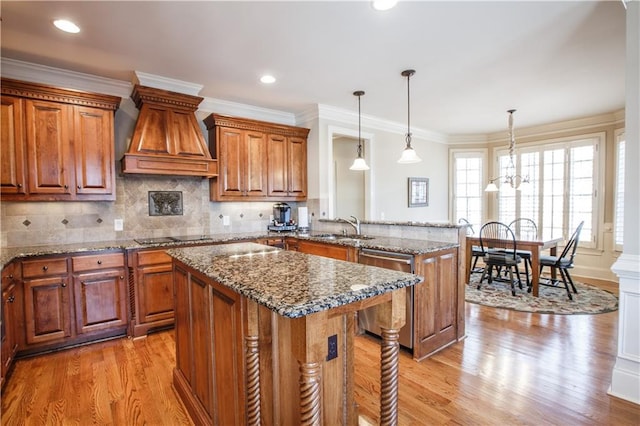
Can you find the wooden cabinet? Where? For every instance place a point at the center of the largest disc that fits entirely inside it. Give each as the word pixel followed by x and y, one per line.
pixel 12 159
pixel 333 251
pixel 100 292
pixel 8 321
pixel 47 304
pixel 59 143
pixel 287 165
pixel 242 169
pixel 152 289
pixel 209 321
pixel 257 161
pixel 436 302
pixel 75 299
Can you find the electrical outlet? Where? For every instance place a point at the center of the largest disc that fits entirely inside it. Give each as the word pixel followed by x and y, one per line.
pixel 118 224
pixel 332 343
pixel 226 221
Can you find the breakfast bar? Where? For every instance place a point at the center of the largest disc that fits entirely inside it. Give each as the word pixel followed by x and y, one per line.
pixel 265 336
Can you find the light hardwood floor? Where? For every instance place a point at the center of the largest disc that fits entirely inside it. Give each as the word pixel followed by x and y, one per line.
pixel 513 368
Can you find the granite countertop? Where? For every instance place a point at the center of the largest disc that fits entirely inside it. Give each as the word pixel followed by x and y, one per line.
pixel 400 245
pixel 289 283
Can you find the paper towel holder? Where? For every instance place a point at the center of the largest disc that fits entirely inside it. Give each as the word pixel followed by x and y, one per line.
pixel 303 219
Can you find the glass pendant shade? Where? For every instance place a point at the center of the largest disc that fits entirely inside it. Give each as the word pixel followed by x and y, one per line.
pixel 359 164
pixel 492 187
pixel 409 156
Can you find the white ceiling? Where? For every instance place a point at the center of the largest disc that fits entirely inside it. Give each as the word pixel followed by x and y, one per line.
pixel 474 60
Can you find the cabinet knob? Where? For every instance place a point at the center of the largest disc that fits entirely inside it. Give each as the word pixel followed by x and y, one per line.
pixel 99 262
pixel 79 187
pixel 10 276
pixel 19 185
pixel 11 299
pixel 45 268
pixel 66 187
pixel 64 284
pixel 121 277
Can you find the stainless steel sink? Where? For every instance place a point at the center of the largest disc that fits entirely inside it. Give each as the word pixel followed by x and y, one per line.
pixel 354 237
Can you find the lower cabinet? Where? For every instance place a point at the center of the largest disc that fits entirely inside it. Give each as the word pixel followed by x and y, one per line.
pixel 333 251
pixel 436 302
pixel 151 284
pixel 207 383
pixel 72 299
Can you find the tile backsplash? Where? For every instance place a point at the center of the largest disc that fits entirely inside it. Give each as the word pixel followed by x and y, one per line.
pixel 35 223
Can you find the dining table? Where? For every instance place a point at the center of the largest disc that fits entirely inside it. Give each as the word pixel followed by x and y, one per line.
pixel 535 246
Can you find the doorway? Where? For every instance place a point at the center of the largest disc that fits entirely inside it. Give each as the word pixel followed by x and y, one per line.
pixel 349 185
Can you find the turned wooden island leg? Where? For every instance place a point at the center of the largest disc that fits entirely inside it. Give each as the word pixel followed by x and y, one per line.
pixel 308 339
pixel 391 317
pixel 252 364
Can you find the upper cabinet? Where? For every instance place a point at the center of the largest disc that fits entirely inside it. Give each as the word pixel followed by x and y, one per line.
pixel 257 161
pixel 167 139
pixel 56 144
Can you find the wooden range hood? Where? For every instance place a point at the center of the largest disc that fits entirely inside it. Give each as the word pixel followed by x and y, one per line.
pixel 167 139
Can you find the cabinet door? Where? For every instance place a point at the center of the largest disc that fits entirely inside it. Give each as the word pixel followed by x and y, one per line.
pixel 47 310
pixel 48 150
pixel 435 303
pixel 100 300
pixel 297 167
pixel 277 165
pixel 201 334
pixel 93 147
pixel 12 161
pixel 230 162
pixel 155 293
pixel 182 323
pixel 256 165
pixel 326 250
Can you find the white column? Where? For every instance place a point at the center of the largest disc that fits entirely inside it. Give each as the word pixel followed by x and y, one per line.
pixel 625 378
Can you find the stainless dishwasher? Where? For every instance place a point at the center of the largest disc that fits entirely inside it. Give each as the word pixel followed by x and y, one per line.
pixel 398 262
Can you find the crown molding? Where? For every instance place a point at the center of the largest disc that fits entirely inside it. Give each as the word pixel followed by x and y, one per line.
pixel 35 73
pixel 220 106
pixel 166 83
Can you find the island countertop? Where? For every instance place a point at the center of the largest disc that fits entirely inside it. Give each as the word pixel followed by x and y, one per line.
pixel 289 283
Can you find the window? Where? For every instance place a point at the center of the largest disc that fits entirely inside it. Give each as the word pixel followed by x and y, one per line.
pixel 468 194
pixel 562 190
pixel 618 221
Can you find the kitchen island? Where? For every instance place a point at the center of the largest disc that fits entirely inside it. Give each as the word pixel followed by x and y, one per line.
pixel 265 336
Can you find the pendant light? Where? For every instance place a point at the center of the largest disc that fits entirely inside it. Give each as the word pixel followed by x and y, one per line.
pixel 359 163
pixel 514 180
pixel 409 154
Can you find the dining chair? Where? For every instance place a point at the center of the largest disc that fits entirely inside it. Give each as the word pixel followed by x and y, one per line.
pixel 506 257
pixel 476 252
pixel 525 229
pixel 563 263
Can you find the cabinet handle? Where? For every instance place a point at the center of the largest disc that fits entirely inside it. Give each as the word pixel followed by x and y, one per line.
pixel 11 299
pixel 64 284
pixel 99 262
pixel 45 268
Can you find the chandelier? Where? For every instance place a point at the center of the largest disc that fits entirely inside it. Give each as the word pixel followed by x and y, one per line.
pixel 514 180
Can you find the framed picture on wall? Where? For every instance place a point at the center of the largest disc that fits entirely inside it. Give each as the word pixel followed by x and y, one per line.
pixel 418 192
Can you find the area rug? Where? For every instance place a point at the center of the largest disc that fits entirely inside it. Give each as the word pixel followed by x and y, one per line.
pixel 552 300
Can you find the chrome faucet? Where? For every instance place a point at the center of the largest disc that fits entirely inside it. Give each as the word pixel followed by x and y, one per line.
pixel 355 224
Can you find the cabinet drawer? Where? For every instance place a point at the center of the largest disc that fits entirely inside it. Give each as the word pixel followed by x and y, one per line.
pixel 97 261
pixel 153 257
pixel 44 267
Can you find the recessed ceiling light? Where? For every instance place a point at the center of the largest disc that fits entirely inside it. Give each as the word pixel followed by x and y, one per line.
pixel 383 4
pixel 268 79
pixel 66 26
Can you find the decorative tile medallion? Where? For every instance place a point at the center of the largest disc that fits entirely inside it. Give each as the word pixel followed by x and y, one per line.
pixel 165 203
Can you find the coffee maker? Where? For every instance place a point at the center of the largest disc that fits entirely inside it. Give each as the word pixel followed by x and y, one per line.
pixel 282 218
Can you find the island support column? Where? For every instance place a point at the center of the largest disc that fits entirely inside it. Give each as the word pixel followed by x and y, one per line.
pixel 308 343
pixel 391 316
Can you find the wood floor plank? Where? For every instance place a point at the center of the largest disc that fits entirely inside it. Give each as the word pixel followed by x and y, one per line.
pixel 513 368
